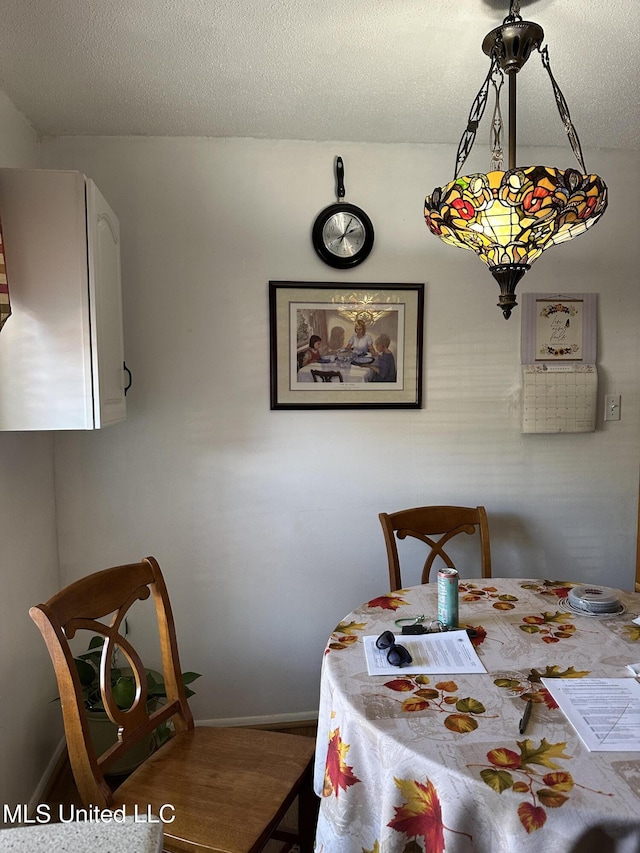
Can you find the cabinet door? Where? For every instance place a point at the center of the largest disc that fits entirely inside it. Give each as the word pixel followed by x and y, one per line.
pixel 105 301
pixel 64 282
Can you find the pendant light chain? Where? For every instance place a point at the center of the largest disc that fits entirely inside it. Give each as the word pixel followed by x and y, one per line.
pixel 563 109
pixel 475 115
pixel 497 153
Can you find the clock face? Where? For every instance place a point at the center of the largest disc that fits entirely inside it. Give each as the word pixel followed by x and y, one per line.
pixel 342 235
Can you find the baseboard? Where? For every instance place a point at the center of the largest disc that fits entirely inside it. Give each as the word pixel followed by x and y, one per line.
pixel 51 773
pixel 272 721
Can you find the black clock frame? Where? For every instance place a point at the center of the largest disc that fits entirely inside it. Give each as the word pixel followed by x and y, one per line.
pixel 320 246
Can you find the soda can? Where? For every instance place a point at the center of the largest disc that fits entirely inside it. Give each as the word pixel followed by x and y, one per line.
pixel 448 597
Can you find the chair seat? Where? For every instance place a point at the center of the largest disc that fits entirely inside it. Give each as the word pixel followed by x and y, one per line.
pixel 212 808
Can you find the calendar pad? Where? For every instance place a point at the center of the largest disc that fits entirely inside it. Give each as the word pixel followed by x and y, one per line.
pixel 559 397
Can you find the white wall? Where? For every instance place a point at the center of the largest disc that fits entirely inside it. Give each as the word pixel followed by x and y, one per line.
pixel 266 522
pixel 30 725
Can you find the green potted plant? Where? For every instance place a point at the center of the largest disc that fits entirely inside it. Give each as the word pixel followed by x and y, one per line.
pixel 103 732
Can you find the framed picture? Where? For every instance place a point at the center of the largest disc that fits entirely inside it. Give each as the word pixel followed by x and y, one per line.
pixel 559 327
pixel 344 347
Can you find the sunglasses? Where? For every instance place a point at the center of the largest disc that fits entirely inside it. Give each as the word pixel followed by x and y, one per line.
pixel 397 655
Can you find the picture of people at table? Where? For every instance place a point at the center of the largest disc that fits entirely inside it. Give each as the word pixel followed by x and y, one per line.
pixel 364 348
pixel 384 367
pixel 361 342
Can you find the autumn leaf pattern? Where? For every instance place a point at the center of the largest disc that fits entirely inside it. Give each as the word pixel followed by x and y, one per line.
pixel 518 772
pixel 633 632
pixel 531 776
pixel 441 697
pixel 390 601
pixel 551 627
pixel 558 589
pixel 531 687
pixel 480 635
pixel 473 592
pixel 337 773
pixel 344 635
pixel 420 816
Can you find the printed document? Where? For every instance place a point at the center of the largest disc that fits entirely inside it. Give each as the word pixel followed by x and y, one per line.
pixel 605 712
pixel 444 652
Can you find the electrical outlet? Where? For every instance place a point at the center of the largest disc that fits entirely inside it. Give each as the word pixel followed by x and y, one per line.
pixel 612 407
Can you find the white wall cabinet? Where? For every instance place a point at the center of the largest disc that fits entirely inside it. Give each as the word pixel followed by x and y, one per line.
pixel 61 350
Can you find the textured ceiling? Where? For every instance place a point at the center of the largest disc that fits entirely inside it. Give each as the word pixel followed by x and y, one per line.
pixel 372 71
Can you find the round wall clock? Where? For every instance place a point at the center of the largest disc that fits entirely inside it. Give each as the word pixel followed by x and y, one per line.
pixel 342 234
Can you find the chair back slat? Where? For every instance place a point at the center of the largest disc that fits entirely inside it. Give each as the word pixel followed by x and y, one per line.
pixel 435 526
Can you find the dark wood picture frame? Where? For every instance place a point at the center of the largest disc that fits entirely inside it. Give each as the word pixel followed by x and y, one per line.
pixel 312 331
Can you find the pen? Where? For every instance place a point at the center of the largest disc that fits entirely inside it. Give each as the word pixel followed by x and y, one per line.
pixel 524 722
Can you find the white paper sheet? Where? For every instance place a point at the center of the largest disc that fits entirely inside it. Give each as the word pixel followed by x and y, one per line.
pixel 444 652
pixel 605 712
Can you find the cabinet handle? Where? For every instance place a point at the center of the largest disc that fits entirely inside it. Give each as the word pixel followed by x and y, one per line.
pixel 128 372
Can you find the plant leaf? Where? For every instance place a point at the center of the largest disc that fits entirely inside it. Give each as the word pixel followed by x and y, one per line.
pixel 124 692
pixel 86 672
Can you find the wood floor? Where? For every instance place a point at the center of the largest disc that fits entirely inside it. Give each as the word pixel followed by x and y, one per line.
pixel 61 793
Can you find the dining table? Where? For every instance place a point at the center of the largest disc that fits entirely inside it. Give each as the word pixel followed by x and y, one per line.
pixel 409 762
pixel 352 370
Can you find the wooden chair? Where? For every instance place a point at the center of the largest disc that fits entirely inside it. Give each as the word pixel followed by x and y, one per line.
pixel 229 788
pixel 427 522
pixel 326 375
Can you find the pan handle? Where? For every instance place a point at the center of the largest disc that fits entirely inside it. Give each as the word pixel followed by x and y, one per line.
pixel 339 178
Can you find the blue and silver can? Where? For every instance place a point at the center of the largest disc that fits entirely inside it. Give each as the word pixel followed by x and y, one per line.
pixel 448 597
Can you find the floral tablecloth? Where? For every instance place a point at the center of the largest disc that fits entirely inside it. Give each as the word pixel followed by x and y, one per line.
pixel 410 763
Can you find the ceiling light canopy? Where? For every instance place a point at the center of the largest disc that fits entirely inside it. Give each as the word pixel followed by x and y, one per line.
pixel 508 218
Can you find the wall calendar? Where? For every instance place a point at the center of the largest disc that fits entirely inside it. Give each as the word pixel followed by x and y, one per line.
pixel 558 355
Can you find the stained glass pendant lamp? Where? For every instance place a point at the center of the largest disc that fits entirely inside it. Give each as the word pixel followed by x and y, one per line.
pixel 508 218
